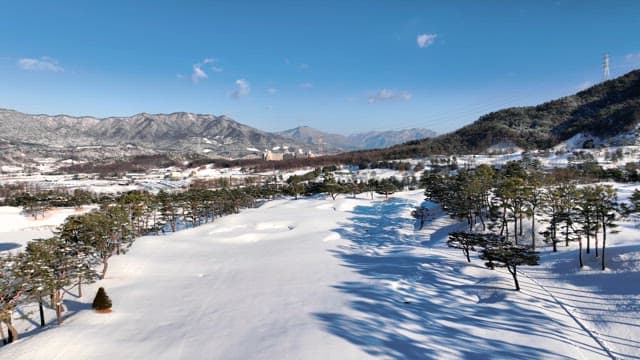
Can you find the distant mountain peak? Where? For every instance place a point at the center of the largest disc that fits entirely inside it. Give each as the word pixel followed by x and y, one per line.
pixel 358 141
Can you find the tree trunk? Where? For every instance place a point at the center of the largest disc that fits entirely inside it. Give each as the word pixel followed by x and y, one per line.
pixel 588 237
pixel 515 228
pixel 596 243
pixel 13 333
pixel 580 251
pixel 504 222
pixel 514 273
pixel 80 286
pixel 41 308
pixel 4 338
pixel 533 230
pixel 105 265
pixel 520 223
pixel 58 305
pixel 604 242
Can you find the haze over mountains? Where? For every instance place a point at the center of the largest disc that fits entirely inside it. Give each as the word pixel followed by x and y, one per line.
pixel 358 141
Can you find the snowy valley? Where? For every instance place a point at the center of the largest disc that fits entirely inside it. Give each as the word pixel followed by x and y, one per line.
pixel 350 278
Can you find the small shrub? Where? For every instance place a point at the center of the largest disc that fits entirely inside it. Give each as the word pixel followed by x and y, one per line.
pixel 101 301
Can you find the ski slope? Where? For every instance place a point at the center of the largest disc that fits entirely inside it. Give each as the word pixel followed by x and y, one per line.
pixel 344 279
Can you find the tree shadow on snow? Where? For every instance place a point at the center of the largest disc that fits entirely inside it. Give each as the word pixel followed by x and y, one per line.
pixel 414 305
pixel 8 246
pixel 612 297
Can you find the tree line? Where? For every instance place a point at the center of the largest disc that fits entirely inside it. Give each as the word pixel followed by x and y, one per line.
pixel 509 210
pixel 80 250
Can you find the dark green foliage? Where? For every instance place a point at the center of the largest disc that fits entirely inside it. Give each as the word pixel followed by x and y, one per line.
pixel 506 254
pixel 50 198
pixel 331 187
pixel 465 241
pixel 386 187
pixel 101 301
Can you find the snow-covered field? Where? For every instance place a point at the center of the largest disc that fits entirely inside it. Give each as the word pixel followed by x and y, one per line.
pixel 345 279
pixel 16 229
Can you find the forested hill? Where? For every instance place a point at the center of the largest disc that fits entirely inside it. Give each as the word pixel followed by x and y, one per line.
pixel 604 110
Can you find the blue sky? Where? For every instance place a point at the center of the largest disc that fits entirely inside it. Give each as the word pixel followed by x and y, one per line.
pixel 339 66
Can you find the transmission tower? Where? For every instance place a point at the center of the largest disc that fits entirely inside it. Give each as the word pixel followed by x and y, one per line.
pixel 605 67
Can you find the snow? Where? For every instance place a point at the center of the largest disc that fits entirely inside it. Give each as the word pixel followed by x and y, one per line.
pixel 16 228
pixel 10 169
pixel 345 279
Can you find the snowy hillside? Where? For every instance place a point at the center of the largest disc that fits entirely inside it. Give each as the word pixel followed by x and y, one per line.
pixel 16 229
pixel 344 279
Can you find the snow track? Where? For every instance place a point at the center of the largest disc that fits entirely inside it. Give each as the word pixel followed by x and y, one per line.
pixel 582 325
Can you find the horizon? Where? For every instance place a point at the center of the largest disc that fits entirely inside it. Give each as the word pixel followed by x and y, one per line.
pixel 335 67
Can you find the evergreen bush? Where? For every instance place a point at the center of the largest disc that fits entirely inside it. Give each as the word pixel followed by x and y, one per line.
pixel 101 301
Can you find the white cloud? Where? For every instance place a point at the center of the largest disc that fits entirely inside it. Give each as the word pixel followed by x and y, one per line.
pixel 306 86
pixel 389 95
pixel 303 67
pixel 242 89
pixel 198 74
pixel 425 40
pixel 200 69
pixel 43 64
pixel 633 58
pixel 272 91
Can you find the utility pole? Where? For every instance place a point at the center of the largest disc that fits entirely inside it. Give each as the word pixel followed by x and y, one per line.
pixel 605 67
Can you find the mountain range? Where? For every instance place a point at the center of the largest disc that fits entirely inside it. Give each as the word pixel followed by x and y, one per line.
pixel 359 141
pixel 605 114
pixel 24 136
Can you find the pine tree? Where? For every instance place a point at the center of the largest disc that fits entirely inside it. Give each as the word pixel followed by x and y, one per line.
pixel 386 188
pixel 14 289
pixel 606 211
pixel 331 187
pixel 586 206
pixel 54 264
pixel 168 209
pixel 510 256
pixel 101 302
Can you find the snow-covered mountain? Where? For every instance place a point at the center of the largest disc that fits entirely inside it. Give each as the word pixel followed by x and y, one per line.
pixel 358 141
pixel 140 133
pixel 88 137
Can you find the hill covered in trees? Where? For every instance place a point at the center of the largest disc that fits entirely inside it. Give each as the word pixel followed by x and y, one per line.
pixel 604 110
